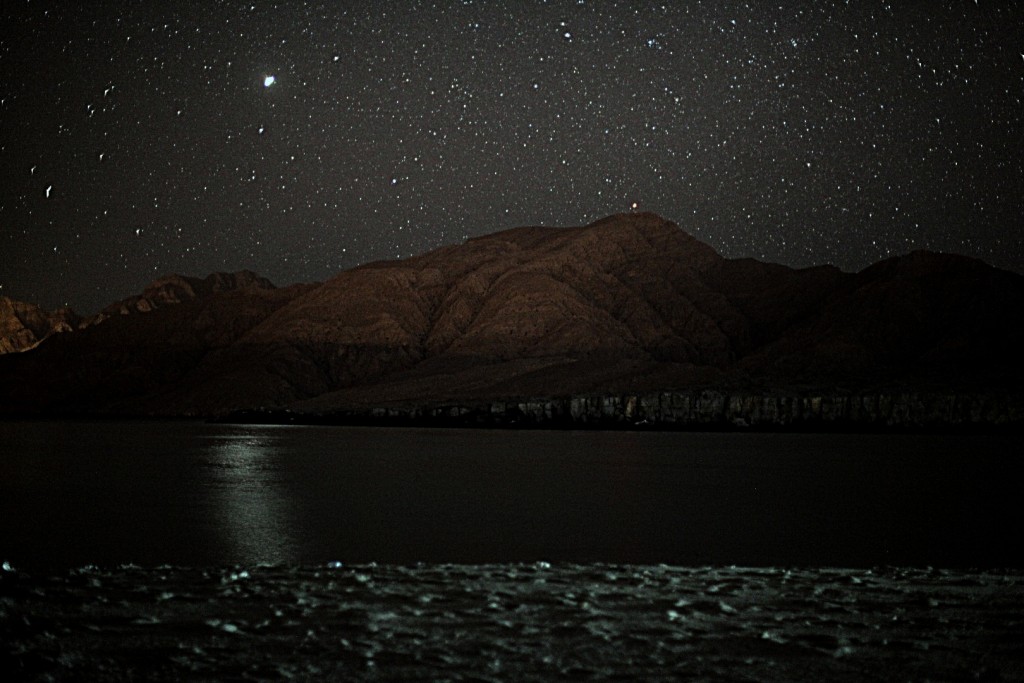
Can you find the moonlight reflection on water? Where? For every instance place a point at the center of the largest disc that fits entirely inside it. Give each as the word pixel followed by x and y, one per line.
pixel 246 506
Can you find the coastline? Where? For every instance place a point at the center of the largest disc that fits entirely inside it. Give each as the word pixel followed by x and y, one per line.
pixel 698 410
pixel 704 410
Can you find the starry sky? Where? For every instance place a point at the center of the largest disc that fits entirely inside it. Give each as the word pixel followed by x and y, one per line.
pixel 297 139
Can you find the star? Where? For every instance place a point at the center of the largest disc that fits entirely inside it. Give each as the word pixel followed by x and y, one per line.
pixel 790 141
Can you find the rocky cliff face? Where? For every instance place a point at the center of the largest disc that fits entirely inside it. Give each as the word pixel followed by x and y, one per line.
pixel 622 291
pixel 23 326
pixel 129 362
pixel 630 304
pixel 175 289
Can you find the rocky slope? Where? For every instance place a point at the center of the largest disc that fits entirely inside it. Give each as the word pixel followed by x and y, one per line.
pixel 24 326
pixel 174 289
pixel 629 304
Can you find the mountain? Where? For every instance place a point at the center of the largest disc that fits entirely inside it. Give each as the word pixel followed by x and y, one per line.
pixel 631 303
pixel 174 289
pixel 24 326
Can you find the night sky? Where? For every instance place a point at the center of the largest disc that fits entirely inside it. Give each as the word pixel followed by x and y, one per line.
pixel 298 139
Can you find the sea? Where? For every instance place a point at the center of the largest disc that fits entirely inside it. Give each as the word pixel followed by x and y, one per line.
pixel 181 550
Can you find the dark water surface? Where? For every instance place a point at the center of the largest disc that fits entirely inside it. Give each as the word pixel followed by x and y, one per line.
pixel 186 551
pixel 512 623
pixel 193 494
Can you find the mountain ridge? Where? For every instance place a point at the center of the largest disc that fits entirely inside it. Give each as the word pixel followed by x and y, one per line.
pixel 628 303
pixel 24 325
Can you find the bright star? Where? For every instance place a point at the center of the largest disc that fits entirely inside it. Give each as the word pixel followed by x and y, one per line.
pixel 268 81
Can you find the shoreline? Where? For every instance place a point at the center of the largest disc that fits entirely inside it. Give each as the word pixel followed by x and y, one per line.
pixel 886 412
pixel 704 410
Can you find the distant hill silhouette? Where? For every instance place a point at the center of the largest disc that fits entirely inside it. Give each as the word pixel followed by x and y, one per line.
pixel 631 303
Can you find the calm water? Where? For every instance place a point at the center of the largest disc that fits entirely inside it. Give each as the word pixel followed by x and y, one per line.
pixel 192 494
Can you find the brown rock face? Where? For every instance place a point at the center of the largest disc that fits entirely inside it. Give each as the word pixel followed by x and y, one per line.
pixel 174 289
pixel 631 303
pixel 126 364
pixel 23 326
pixel 611 300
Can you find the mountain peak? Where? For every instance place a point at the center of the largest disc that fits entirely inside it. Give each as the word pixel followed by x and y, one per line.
pixel 214 282
pixel 628 303
pixel 174 288
pixel 620 235
pixel 634 219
